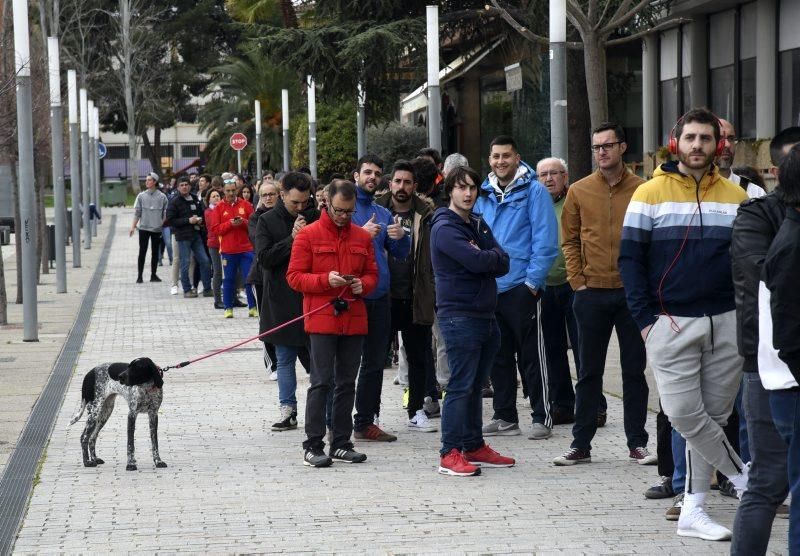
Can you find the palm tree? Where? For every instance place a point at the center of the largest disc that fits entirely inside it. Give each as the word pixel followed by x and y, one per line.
pixel 237 84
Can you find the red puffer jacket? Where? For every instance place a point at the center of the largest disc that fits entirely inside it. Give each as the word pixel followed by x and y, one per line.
pixel 213 239
pixel 320 248
pixel 232 239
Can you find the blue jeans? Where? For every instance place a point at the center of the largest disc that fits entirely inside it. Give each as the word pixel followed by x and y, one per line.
pixel 471 347
pixel 785 405
pixel 166 234
pixel 679 458
pixel 373 356
pixel 767 483
pixel 231 263
pixel 287 377
pixel 187 248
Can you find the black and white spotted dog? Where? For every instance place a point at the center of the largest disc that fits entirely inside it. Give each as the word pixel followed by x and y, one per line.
pixel 139 382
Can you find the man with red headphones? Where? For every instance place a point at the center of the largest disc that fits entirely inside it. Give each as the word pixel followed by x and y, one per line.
pixel 676 268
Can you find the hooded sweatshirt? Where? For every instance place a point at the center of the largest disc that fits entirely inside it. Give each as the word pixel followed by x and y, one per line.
pixel 466 260
pixel 675 249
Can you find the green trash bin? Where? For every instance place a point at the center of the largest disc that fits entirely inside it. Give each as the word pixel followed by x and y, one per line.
pixel 113 194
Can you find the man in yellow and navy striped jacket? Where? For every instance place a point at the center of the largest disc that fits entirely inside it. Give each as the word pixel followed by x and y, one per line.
pixel 676 269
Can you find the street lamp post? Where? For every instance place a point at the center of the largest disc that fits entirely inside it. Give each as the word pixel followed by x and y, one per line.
pixel 434 93
pixel 57 151
pixel 361 117
pixel 312 126
pixel 87 234
pixel 258 139
pixel 28 232
pixel 74 166
pixel 285 114
pixel 558 79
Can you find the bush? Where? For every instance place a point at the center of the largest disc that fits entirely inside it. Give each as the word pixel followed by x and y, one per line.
pixel 336 140
pixel 394 141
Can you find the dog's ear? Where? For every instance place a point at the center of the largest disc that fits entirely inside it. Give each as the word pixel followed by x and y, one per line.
pixel 155 372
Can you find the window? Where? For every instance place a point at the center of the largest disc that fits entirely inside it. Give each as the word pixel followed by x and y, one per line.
pixel 190 151
pixel 747 75
pixel 165 150
pixel 669 108
pixel 722 92
pixel 118 152
pixel 687 95
pixel 669 81
pixel 789 88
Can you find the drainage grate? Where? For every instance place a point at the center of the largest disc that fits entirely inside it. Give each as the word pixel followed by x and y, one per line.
pixel 7 359
pixel 17 479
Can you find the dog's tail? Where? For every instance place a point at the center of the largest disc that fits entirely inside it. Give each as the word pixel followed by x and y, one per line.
pixel 87 394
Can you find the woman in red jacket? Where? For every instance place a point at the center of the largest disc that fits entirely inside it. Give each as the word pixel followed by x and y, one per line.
pixel 333 259
pixel 212 198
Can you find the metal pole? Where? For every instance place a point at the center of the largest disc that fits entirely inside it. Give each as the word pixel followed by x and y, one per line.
pixel 92 175
pixel 361 116
pixel 258 140
pixel 558 80
pixel 57 145
pixel 434 93
pixel 74 167
pixel 87 233
pixel 312 126
pixel 97 163
pixel 27 209
pixel 285 113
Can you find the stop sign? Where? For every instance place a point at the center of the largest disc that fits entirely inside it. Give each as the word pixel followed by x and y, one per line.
pixel 238 141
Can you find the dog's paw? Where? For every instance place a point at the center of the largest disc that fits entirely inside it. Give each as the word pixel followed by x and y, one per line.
pixel 90 464
pixel 99 461
pixel 131 467
pixel 160 464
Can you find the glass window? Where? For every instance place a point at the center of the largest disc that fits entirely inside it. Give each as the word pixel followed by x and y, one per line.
pixel 166 150
pixel 669 108
pixel 119 152
pixel 190 151
pixel 790 88
pixel 668 49
pixel 747 36
pixel 720 45
pixel 789 13
pixel 687 95
pixel 722 90
pixel 747 124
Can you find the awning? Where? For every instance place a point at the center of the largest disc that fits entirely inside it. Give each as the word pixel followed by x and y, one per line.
pixel 418 99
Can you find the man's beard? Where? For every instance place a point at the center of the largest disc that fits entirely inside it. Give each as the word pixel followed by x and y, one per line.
pixel 401 197
pixel 684 158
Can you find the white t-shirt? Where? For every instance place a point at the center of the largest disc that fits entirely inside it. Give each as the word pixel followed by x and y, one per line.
pixel 753 190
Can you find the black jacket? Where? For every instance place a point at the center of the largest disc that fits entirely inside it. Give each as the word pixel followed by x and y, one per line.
pixel 423 286
pixel 781 269
pixel 179 211
pixel 273 249
pixel 754 228
pixel 254 276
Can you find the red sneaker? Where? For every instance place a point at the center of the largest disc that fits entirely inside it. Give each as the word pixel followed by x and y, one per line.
pixel 486 457
pixel 373 433
pixel 454 463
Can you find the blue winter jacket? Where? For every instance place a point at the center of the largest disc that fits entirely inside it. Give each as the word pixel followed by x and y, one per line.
pixel 524 225
pixel 365 208
pixel 466 260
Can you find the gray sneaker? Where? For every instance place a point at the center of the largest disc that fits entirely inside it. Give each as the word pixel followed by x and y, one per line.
pixel 498 427
pixel 432 407
pixel 540 431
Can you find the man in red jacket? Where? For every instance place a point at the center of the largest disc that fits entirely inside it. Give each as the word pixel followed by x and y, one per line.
pixel 333 260
pixel 230 224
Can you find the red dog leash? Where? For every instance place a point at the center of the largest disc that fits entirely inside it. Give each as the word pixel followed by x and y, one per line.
pixel 248 340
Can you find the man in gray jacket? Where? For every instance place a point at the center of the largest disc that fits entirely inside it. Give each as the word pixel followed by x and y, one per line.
pixel 150 211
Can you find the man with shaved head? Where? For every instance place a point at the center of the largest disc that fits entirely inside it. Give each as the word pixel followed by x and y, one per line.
pixel 725 161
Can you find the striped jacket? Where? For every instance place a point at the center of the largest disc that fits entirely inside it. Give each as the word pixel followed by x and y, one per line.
pixel 675 249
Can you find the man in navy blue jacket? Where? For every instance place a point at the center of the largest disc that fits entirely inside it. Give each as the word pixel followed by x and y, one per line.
pixel 466 260
pixel 387 236
pixel 519 211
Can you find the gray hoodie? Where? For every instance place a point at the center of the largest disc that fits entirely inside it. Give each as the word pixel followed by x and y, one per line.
pixel 151 209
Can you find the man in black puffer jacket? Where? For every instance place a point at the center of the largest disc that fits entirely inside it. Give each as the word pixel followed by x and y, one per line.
pixel 756 225
pixel 185 217
pixel 275 234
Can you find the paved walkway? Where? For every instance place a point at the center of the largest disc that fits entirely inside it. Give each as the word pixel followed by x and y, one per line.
pixel 232 485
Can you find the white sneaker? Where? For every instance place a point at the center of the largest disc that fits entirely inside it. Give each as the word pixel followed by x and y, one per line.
pixel 173 290
pixel 421 423
pixel 273 375
pixel 697 523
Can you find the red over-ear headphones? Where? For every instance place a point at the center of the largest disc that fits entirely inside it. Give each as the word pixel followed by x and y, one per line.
pixel 673 140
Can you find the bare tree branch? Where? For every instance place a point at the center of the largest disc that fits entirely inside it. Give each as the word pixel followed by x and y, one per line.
pixel 591 10
pixel 577 17
pixel 519 28
pixel 645 32
pixel 616 23
pixel 600 19
pixel 621 9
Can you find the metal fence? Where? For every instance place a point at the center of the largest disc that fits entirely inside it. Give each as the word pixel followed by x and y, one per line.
pixel 175 158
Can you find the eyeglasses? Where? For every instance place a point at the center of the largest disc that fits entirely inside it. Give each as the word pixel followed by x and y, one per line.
pixel 342 212
pixel 548 174
pixel 605 146
pixel 269 194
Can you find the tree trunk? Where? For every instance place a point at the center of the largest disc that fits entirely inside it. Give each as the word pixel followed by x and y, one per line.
pixel 289 14
pixel 580 157
pixel 153 150
pixel 594 56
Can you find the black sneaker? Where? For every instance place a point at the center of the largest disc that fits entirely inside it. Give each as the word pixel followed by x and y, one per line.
pixel 154 278
pixel 208 293
pixel 573 456
pixel 602 417
pixel 562 416
pixel 139 280
pixel 661 490
pixel 346 454
pixel 190 294
pixel 316 458
pixel 288 419
pixel 726 488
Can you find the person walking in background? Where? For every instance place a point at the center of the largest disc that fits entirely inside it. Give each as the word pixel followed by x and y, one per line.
pixel 212 199
pixel 185 215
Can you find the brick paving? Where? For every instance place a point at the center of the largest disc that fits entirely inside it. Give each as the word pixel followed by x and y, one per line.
pixel 233 486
